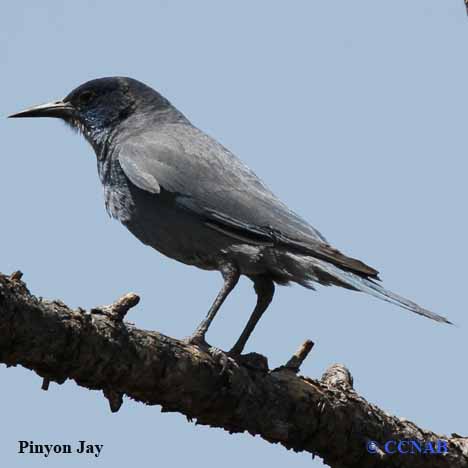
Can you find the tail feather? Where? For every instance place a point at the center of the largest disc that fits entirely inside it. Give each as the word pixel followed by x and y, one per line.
pixel 368 286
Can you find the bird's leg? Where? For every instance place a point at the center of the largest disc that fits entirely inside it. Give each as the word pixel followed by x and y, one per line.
pixel 265 288
pixel 231 277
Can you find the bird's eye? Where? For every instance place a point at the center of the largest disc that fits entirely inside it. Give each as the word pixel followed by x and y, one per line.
pixel 86 97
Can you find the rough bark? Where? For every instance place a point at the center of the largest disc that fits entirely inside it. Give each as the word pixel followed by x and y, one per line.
pixel 99 351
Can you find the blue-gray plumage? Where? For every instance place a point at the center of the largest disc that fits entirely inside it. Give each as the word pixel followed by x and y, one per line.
pixel 180 191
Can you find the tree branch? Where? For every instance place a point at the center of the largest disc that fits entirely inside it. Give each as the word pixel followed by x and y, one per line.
pixel 101 352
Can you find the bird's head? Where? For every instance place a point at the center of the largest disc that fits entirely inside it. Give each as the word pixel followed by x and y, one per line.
pixel 98 106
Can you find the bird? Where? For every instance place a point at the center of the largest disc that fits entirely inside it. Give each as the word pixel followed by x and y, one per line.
pixel 181 192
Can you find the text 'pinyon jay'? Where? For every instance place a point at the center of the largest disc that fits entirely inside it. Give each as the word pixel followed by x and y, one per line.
pixel 180 191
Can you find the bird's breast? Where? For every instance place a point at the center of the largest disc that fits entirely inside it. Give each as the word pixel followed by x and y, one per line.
pixel 117 195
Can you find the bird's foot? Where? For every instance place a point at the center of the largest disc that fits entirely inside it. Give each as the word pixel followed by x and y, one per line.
pixel 197 339
pixel 252 360
pixel 235 352
pixel 221 357
pixel 217 354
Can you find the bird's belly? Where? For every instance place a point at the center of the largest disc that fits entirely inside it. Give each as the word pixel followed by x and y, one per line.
pixel 188 241
pixel 175 233
pixel 179 234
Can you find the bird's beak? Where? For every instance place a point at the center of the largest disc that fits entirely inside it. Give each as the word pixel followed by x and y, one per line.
pixel 51 109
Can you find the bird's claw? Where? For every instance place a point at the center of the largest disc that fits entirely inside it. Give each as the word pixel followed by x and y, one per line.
pixel 221 357
pixel 197 340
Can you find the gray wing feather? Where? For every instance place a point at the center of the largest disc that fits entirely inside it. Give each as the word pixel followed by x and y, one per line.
pixel 136 168
pixel 209 180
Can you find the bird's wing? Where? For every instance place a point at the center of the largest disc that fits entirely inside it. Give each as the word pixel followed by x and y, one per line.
pixel 209 180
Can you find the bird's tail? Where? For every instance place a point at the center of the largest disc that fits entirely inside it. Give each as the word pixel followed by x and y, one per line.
pixel 327 273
